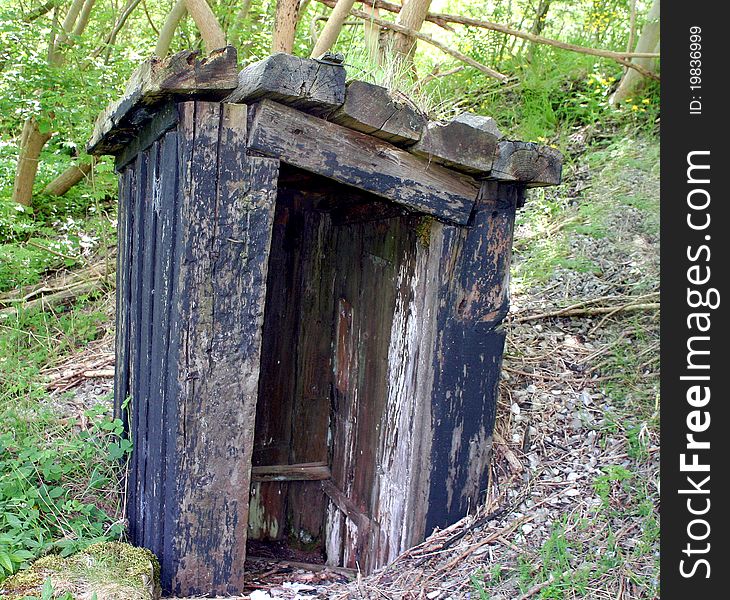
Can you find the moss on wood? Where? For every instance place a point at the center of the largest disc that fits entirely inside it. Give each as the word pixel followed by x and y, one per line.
pixel 111 570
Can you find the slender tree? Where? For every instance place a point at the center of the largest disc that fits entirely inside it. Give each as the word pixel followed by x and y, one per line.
pixel 210 29
pixel 411 16
pixel 164 40
pixel 285 25
pixel 648 42
pixel 32 140
pixel 332 27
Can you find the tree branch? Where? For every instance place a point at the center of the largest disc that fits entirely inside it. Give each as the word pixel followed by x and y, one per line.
pixel 426 38
pixel 441 18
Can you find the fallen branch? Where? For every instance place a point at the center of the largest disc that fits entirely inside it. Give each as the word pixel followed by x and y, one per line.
pixel 69 178
pixel 63 296
pixel 589 312
pixel 536 588
pixel 440 19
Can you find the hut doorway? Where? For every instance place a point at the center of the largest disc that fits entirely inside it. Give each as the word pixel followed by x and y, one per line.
pixel 332 289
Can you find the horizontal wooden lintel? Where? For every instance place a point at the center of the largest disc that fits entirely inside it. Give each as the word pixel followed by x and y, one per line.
pixel 361 161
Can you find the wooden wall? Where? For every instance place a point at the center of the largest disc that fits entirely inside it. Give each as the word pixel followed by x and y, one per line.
pixel 194 237
pixel 271 317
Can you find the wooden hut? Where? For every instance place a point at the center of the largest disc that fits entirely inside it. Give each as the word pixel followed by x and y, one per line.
pixel 311 282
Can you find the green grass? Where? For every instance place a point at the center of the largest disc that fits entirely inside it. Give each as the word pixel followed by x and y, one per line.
pixel 58 473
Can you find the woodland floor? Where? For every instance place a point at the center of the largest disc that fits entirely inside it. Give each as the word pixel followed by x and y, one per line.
pixel 572 508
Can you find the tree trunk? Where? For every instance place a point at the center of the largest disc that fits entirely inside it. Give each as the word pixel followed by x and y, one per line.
pixel 55 56
pixel 332 28
pixel 207 22
pixel 285 25
pixel 371 31
pixel 632 81
pixel 237 27
pixel 412 16
pixel 538 25
pixel 164 40
pixel 31 144
pixel 84 16
pixel 69 178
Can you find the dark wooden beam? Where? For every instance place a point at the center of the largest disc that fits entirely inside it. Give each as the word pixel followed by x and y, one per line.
pixel 466 143
pixel 473 299
pixel 154 81
pixel 372 109
pixel 526 162
pixel 305 83
pixel 361 161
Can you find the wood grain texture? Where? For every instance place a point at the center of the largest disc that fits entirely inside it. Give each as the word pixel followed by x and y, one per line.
pixel 304 83
pixel 372 109
pixel 318 471
pixel 225 227
pixel 473 300
pixel 528 163
pixel 183 74
pixel 359 160
pixel 466 143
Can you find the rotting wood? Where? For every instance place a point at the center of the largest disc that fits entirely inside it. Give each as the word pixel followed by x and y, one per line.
pixel 526 162
pixel 362 161
pixel 473 301
pixel 348 508
pixel 466 143
pixel 225 231
pixel 183 74
pixel 296 472
pixel 374 110
pixel 304 83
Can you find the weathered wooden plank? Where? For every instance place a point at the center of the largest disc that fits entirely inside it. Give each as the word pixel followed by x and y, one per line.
pixel 466 143
pixel 374 110
pixel 405 427
pixel 121 372
pixel 318 471
pixel 135 322
pixel 528 163
pixel 312 405
pixel 148 251
pixel 348 508
pixel 183 74
pixel 225 227
pixel 164 204
pixel 362 161
pixel 473 300
pixel 305 83
pixel 277 387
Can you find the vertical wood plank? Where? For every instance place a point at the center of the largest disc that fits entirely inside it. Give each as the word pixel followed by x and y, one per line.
pixel 121 372
pixel 278 366
pixel 136 258
pixel 474 298
pixel 225 228
pixel 147 291
pixel 311 410
pixel 164 205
